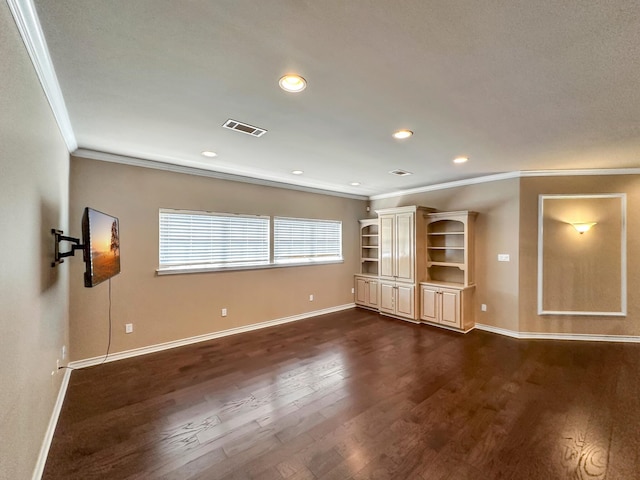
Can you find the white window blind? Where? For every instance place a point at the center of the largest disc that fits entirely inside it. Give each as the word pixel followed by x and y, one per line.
pixel 300 240
pixel 206 239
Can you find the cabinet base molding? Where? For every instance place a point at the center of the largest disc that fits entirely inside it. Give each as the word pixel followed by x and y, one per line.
pixel 366 307
pixel 395 317
pixel 439 325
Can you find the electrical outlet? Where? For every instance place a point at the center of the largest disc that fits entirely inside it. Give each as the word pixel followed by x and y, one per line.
pixel 64 352
pixel 483 307
pixel 128 328
pixel 353 290
pixel 311 297
pixel 58 364
pixel 223 312
pixel 503 257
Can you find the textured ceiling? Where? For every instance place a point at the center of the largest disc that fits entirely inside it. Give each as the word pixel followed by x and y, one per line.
pixel 515 85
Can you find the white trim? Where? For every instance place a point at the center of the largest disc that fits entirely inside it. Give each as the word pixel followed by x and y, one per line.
pixel 191 269
pixel 172 167
pixel 579 172
pixel 443 186
pixel 623 254
pixel 51 428
pixel 506 176
pixel 89 362
pixel 26 18
pixel 584 337
pixel 445 327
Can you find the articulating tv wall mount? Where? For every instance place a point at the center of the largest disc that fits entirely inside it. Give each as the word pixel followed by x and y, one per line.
pixel 59 237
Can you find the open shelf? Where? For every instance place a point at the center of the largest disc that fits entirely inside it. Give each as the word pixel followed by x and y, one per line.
pixel 369 247
pixel 461 266
pixel 450 248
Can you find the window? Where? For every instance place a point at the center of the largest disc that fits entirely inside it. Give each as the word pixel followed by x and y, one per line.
pixel 303 240
pixel 204 241
pixel 213 240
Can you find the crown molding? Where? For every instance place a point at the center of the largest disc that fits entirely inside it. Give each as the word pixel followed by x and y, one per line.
pixel 202 172
pixel 580 172
pixel 446 185
pixel 26 18
pixel 506 176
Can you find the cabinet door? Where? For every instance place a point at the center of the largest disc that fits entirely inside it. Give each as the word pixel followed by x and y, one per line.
pixel 450 310
pixel 404 248
pixel 373 293
pixel 387 294
pixel 361 291
pixel 386 245
pixel 405 301
pixel 429 304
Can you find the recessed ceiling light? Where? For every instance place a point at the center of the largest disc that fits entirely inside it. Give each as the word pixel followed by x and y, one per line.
pixel 402 134
pixel 297 172
pixel 208 154
pixel 354 184
pixel 460 159
pixel 292 83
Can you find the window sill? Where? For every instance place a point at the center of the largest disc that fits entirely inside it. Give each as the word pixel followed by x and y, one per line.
pixel 194 269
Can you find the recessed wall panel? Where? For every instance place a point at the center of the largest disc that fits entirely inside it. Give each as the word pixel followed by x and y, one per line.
pixel 582 273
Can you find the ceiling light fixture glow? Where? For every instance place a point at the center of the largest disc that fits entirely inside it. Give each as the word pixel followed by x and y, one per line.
pixel 297 172
pixel 208 154
pixel 460 159
pixel 354 184
pixel 292 83
pixel 402 134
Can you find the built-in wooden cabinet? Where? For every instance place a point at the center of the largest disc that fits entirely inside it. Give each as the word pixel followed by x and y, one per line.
pixel 398 299
pixel 397 245
pixel 447 306
pixel 369 247
pixel 447 293
pixel 402 259
pixel 367 292
pixel 450 253
pixel 418 264
pixel 367 286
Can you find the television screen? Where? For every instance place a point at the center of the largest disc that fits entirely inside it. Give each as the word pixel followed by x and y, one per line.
pixel 101 237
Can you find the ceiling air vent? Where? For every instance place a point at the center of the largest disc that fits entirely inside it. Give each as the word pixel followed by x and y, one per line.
pixel 244 128
pixel 400 173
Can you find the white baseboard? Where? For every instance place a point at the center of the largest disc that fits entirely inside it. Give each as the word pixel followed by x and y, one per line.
pixel 51 428
pixel 558 336
pixel 88 362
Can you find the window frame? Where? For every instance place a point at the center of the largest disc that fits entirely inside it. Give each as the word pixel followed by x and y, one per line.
pixel 204 268
pixel 211 266
pixel 307 259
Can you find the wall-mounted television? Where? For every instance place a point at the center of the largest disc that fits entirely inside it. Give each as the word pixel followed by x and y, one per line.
pixel 101 239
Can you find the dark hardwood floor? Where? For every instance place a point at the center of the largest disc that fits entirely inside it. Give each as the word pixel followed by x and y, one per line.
pixel 356 395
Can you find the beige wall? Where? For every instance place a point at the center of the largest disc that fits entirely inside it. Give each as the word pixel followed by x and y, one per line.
pixel 496 232
pixel 173 307
pixel 34 172
pixel 530 188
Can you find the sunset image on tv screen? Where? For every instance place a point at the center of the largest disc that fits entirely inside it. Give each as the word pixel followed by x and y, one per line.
pixel 105 246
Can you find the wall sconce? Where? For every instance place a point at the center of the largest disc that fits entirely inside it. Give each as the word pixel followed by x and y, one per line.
pixel 583 227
